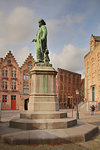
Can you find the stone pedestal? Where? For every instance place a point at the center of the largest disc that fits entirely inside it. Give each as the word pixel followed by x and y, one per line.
pixel 43 89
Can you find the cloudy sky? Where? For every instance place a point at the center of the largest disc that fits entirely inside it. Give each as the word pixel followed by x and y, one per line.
pixel 70 24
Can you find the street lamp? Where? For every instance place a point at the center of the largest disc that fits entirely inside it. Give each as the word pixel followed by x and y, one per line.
pixel 77 93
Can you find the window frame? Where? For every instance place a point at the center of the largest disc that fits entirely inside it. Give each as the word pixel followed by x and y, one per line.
pixel 4 99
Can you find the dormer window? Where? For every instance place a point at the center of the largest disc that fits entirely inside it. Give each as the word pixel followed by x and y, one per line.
pixel 9 61
pixel 29 66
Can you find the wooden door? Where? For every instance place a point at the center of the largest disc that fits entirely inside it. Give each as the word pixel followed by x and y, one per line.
pixel 13 101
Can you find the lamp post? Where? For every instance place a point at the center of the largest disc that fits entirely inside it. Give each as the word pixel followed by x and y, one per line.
pixel 77 114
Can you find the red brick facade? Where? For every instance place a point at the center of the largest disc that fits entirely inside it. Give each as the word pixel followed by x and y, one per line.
pixel 14 82
pixel 67 83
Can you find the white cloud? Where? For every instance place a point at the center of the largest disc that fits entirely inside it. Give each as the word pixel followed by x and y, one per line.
pixel 67 25
pixel 69 20
pixel 71 58
pixel 21 55
pixel 72 20
pixel 53 25
pixel 17 27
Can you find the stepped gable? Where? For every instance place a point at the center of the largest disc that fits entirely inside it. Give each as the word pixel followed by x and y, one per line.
pixel 30 57
pixel 9 54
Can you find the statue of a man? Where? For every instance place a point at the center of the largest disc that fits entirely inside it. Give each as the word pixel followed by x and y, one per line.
pixel 41 41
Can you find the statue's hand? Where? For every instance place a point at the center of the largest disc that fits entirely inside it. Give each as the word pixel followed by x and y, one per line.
pixel 34 40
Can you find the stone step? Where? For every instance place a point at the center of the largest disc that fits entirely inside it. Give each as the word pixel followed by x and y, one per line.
pixel 43 115
pixel 36 124
pixel 79 133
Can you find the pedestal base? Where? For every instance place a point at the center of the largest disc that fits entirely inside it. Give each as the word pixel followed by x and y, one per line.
pixel 43 103
pixel 43 89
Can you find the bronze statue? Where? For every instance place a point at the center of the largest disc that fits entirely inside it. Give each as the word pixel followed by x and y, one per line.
pixel 41 43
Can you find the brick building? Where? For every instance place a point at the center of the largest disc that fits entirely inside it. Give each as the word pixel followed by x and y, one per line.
pixel 92 72
pixel 15 82
pixel 67 83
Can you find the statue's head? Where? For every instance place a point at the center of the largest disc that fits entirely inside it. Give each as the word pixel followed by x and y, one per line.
pixel 41 22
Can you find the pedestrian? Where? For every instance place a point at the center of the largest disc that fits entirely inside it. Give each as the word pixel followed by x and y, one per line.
pixel 92 109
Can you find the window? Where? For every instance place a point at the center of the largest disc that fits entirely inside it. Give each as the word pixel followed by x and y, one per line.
pixel 60 98
pixel 13 85
pixel 61 78
pixel 4 84
pixel 93 71
pixel 65 78
pixel 4 99
pixel 93 93
pixel 26 89
pixel 26 77
pixel 69 87
pixel 65 98
pixel 61 86
pixel 73 79
pixel 65 86
pixel 4 73
pixel 69 78
pixel 29 66
pixel 13 97
pixel 13 74
pixel 9 61
pixel 73 87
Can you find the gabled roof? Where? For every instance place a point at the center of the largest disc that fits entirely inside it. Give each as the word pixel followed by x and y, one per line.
pixel 27 59
pixel 9 54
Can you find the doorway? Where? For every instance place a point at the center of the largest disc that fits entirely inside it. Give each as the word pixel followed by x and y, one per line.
pixel 13 101
pixel 26 104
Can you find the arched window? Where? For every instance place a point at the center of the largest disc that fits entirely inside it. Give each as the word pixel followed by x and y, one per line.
pixel 4 84
pixel 4 72
pixel 13 85
pixel 93 70
pixel 13 73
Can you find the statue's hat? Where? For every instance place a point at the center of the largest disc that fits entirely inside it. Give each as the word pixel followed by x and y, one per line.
pixel 42 21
